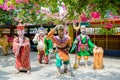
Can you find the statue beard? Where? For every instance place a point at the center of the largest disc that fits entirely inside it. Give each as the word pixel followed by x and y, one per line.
pixel 42 34
pixel 21 36
pixel 83 32
pixel 61 34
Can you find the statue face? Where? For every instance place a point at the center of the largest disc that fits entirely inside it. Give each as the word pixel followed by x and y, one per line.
pixel 21 33
pixel 61 32
pixel 83 30
pixel 41 32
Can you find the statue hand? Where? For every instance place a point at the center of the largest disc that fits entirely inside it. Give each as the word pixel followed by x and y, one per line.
pixel 50 50
pixel 95 47
pixel 56 27
pixel 34 41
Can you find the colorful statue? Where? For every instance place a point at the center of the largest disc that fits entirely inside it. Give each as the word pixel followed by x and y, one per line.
pixel 21 48
pixel 63 42
pixel 83 44
pixel 44 46
pixel 4 43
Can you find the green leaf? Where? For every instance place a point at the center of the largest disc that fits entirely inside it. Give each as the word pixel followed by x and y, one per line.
pixel 1 1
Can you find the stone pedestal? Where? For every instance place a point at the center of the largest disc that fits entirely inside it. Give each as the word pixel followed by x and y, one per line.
pixel 98 58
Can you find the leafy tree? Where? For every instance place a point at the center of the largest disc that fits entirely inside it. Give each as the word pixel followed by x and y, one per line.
pixel 26 9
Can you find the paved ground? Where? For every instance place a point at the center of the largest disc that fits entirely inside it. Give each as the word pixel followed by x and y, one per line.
pixel 111 70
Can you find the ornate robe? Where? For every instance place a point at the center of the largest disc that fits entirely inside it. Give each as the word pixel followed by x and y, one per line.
pixel 22 54
pixel 62 44
pixel 83 44
pixel 43 43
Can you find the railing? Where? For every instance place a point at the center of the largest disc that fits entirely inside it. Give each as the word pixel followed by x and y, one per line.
pixel 108 42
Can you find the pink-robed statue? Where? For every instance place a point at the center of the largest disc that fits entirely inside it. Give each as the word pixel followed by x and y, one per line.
pixel 21 48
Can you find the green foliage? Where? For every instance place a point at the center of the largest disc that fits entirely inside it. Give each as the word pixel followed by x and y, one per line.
pixel 104 31
pixel 1 1
pixel 27 12
pixel 6 16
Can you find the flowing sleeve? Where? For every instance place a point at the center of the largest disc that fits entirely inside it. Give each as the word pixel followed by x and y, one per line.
pixel 50 45
pixel 15 46
pixel 74 46
pixel 46 47
pixel 35 39
pixel 26 48
pixel 26 44
pixel 52 37
pixel 91 45
pixel 69 42
pixel 51 34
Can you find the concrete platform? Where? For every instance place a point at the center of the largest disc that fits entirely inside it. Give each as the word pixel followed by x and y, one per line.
pixel 111 69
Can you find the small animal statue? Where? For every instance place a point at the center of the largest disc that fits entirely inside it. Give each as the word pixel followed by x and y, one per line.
pixel 4 44
pixel 10 41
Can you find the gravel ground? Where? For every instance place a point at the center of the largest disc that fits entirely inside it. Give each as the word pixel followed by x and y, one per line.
pixel 111 69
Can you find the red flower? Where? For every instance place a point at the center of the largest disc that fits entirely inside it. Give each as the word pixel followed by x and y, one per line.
pixel 116 17
pixel 109 26
pixel 18 1
pixel 16 19
pixel 5 7
pixel 83 17
pixel 26 1
pixel 75 21
pixel 12 7
pixel 95 15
